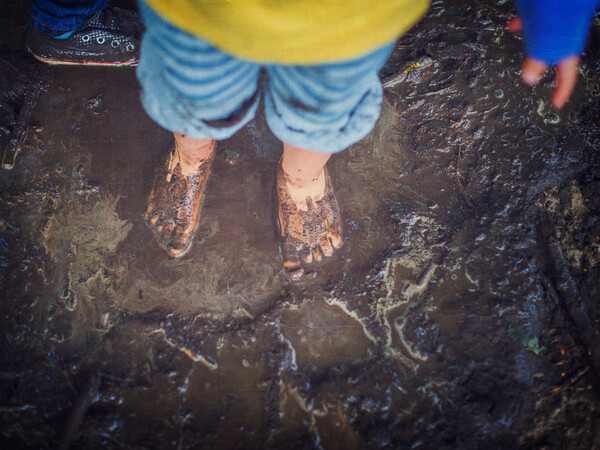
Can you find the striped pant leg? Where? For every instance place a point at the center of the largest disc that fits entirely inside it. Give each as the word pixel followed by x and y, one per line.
pixel 191 87
pixel 325 107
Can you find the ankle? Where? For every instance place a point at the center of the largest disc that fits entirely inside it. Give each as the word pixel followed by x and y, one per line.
pixel 304 181
pixel 304 173
pixel 191 153
pixel 303 190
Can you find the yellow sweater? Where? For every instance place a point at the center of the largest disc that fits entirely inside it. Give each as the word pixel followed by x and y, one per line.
pixel 294 31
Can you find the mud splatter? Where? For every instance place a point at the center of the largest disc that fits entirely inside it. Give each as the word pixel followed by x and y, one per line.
pixel 461 312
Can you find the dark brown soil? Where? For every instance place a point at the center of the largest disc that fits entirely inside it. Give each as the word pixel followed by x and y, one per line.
pixel 462 311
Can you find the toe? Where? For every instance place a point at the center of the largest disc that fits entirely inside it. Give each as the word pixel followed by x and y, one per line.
pixel 326 247
pixel 151 200
pixel 293 269
pixel 295 273
pixel 177 252
pixel 291 262
pixel 177 238
pixel 150 203
pixel 153 219
pixel 317 254
pixel 179 245
pixel 306 255
pixel 335 235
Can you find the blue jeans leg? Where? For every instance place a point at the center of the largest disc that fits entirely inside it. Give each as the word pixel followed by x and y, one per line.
pixel 57 17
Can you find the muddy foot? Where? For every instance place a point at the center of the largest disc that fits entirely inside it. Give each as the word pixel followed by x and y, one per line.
pixel 307 235
pixel 174 204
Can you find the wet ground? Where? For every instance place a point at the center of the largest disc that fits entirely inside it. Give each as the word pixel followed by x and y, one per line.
pixel 462 311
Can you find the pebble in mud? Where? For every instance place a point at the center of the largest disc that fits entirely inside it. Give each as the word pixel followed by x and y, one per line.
pixel 93 104
pixel 231 157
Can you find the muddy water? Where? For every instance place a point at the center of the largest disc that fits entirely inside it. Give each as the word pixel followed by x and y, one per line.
pixel 461 312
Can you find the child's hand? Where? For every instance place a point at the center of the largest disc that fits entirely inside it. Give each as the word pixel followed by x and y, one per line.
pixel 533 69
pixel 555 32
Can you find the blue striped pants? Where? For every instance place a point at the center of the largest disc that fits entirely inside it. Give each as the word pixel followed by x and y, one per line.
pixel 191 87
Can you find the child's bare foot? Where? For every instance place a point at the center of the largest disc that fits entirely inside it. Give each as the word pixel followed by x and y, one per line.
pixel 309 221
pixel 174 202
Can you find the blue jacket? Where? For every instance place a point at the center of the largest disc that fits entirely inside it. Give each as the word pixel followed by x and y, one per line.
pixel 555 29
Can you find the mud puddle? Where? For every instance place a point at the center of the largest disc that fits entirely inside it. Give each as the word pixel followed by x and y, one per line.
pixel 460 313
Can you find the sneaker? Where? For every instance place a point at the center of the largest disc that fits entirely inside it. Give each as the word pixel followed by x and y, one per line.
pixel 110 37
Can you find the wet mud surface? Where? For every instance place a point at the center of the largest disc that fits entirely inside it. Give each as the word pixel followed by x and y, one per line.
pixel 461 312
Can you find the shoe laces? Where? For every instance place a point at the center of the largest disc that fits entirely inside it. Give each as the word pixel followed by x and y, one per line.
pixel 103 27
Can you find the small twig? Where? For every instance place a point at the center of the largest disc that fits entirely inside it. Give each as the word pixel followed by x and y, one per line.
pixel 591 145
pixel 87 399
pixel 579 375
pixel 412 191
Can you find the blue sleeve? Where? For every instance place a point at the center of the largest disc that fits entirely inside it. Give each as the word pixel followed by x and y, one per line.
pixel 554 29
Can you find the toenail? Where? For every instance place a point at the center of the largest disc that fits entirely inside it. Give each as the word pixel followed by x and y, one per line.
pixel 295 274
pixel 317 255
pixel 307 258
pixel 290 265
pixel 337 241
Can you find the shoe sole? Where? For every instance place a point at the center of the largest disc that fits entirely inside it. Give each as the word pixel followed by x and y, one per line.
pixel 66 62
